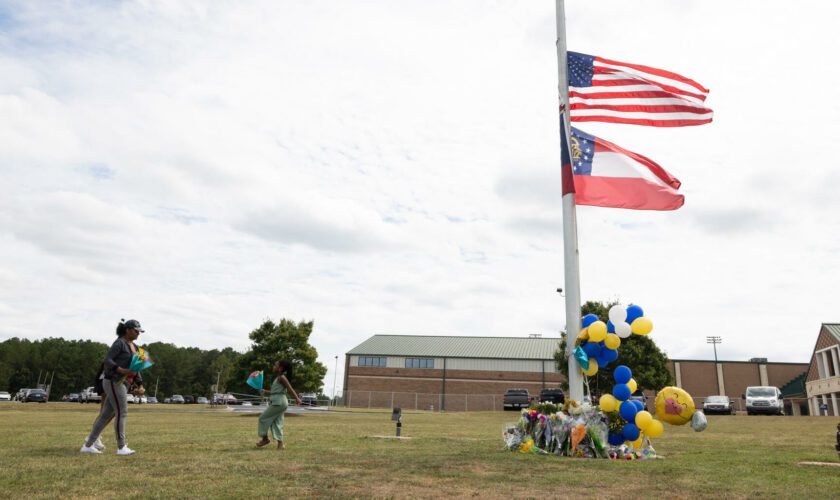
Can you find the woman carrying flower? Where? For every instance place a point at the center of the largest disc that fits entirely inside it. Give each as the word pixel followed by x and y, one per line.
pixel 274 416
pixel 117 375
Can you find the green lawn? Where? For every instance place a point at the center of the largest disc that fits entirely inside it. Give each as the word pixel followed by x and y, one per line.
pixel 184 453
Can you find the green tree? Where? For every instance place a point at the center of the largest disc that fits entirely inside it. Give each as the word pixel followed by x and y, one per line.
pixel 638 352
pixel 283 340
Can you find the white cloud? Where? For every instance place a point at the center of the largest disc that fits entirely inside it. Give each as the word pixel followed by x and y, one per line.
pixel 385 167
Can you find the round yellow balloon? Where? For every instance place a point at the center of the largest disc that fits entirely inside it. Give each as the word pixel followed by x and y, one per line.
pixel 641 326
pixel 612 341
pixel 608 403
pixel 637 444
pixel 593 368
pixel 597 331
pixel 584 334
pixel 632 385
pixel 674 405
pixel 643 420
pixel 654 429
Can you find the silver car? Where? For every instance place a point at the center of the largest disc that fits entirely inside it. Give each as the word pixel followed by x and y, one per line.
pixel 718 404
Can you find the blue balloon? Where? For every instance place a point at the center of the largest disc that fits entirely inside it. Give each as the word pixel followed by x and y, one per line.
pixel 609 355
pixel 622 374
pixel 630 432
pixel 601 358
pixel 588 320
pixel 610 327
pixel 592 349
pixel 634 312
pixel 638 404
pixel 621 392
pixel 628 411
pixel 615 439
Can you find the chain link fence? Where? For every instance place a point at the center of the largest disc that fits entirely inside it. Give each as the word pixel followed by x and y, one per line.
pixel 493 402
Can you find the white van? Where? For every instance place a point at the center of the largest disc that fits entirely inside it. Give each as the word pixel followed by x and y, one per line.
pixel 764 399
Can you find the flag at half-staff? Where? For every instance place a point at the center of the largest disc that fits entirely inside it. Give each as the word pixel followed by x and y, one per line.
pixel 605 90
pixel 607 175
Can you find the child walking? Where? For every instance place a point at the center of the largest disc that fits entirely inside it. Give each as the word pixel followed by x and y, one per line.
pixel 274 416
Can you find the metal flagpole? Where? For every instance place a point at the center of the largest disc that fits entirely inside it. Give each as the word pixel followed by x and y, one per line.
pixel 570 248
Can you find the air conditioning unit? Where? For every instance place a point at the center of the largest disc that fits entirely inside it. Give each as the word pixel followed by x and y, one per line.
pixel 758 360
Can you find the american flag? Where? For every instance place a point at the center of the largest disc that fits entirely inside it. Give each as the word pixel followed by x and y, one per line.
pixel 603 90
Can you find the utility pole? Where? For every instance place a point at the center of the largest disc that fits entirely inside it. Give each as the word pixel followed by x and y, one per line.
pixel 156 386
pixel 715 340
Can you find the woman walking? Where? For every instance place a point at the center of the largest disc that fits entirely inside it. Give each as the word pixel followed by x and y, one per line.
pixel 117 376
pixel 274 416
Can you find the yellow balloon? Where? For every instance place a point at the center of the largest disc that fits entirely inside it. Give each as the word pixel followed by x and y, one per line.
pixel 598 331
pixel 593 368
pixel 674 405
pixel 584 334
pixel 637 444
pixel 632 385
pixel 655 429
pixel 608 403
pixel 612 341
pixel 641 326
pixel 643 420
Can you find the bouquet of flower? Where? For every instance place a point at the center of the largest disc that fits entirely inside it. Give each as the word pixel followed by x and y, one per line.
pixel 140 361
pixel 255 380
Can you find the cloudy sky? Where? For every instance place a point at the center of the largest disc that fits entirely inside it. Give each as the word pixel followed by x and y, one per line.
pixel 393 167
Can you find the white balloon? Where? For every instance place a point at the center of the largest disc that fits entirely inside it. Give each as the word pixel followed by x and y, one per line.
pixel 618 314
pixel 623 329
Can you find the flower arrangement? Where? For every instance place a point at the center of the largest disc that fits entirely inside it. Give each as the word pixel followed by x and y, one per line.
pixel 575 430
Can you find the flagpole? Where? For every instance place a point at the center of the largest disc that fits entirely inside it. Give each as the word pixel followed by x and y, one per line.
pixel 570 247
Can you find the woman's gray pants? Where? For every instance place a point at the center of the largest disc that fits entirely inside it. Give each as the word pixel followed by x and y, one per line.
pixel 116 405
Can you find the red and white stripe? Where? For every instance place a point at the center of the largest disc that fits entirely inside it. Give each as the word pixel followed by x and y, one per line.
pixel 639 95
pixel 623 179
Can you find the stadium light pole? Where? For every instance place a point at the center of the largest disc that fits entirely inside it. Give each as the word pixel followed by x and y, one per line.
pixel 335 377
pixel 715 340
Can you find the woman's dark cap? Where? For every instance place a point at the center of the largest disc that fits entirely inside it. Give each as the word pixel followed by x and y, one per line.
pixel 133 323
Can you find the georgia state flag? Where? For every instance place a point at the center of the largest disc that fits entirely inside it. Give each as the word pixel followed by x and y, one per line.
pixel 607 175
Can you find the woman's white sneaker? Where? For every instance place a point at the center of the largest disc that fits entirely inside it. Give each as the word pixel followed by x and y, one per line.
pixel 99 445
pixel 125 450
pixel 90 449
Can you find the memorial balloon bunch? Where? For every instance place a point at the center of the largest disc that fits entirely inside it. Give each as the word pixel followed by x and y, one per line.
pixel 619 427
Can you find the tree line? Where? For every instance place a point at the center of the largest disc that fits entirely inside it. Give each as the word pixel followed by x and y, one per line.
pixel 72 365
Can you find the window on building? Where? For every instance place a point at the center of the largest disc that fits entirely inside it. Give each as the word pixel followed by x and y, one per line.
pixel 419 362
pixel 378 361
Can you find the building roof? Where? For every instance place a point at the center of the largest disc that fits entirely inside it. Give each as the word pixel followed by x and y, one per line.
pixel 459 347
pixel 796 387
pixel 833 329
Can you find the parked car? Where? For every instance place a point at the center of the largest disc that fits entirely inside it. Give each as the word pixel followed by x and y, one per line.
pixel 5 396
pixel 167 401
pixel 224 399
pixel 188 399
pixel 764 399
pixel 73 397
pixel 640 397
pixel 151 400
pixel 516 398
pixel 35 396
pixel 201 400
pixel 177 399
pixel 309 399
pixel 21 394
pixel 718 404
pixel 552 395
pixel 89 396
pixel 246 403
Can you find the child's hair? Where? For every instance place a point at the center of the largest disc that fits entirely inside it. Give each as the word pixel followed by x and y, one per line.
pixel 121 328
pixel 287 368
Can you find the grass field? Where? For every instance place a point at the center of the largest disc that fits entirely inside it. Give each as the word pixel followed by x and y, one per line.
pixel 183 453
